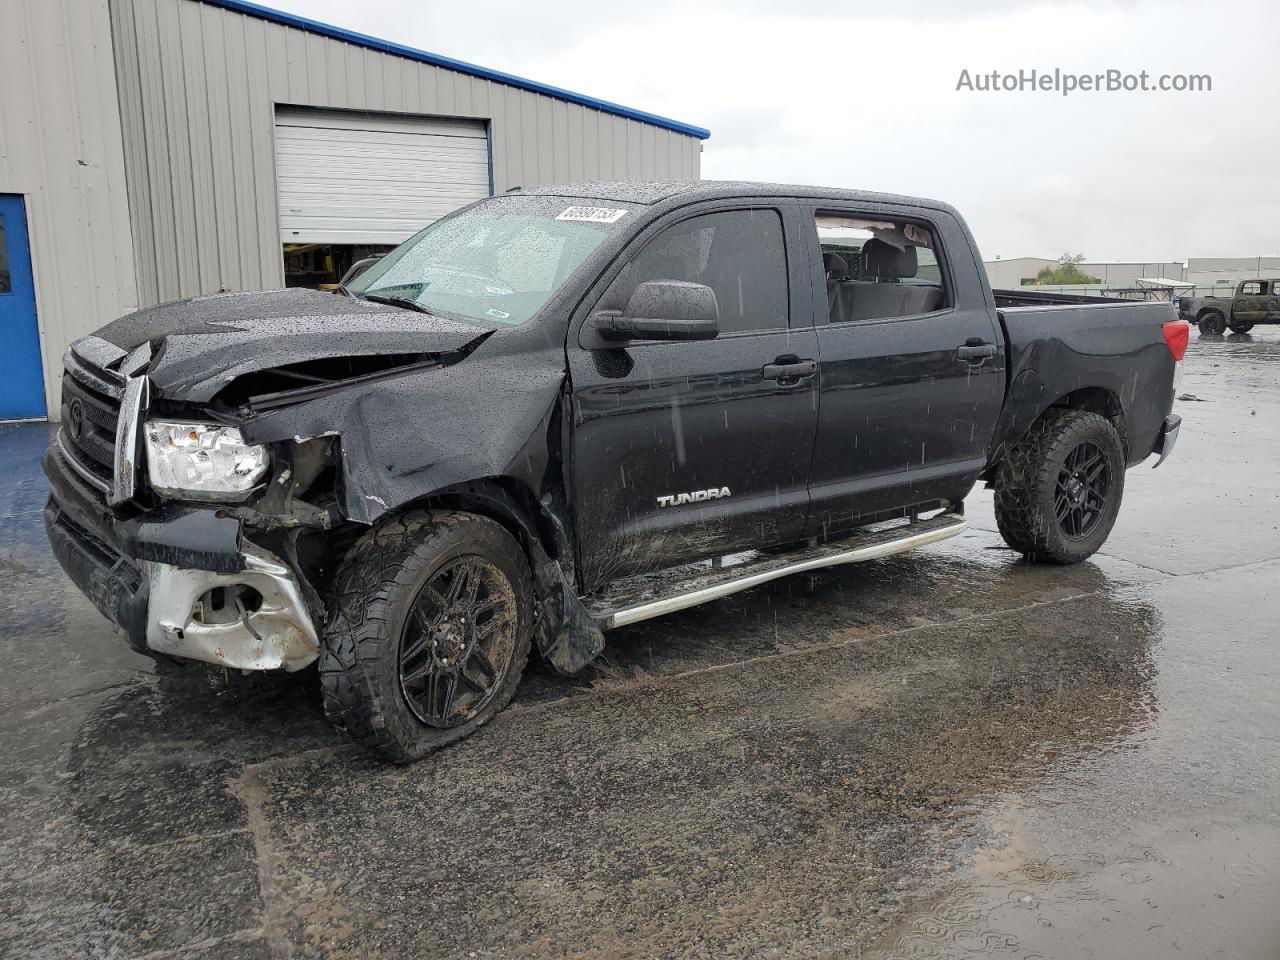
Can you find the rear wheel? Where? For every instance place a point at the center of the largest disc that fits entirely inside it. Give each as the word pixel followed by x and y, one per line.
pixel 1058 492
pixel 1212 323
pixel 430 632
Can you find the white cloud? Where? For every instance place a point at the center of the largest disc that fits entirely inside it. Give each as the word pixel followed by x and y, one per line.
pixel 863 95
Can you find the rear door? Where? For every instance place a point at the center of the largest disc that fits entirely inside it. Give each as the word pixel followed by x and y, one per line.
pixel 22 386
pixel 689 450
pixel 1250 304
pixel 912 362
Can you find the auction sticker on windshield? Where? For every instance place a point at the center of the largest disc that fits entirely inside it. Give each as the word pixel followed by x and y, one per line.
pixel 593 214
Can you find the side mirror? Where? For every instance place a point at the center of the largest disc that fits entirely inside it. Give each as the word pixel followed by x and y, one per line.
pixel 665 310
pixel 357 268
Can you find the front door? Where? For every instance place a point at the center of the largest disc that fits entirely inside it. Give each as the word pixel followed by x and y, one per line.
pixel 911 365
pixel 685 450
pixel 1250 304
pixel 22 386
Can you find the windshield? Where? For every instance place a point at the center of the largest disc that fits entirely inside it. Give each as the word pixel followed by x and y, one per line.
pixel 497 262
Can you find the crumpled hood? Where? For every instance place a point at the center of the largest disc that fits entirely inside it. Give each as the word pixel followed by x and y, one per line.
pixel 205 343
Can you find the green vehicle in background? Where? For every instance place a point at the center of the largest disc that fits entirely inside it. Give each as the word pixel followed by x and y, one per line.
pixel 1255 301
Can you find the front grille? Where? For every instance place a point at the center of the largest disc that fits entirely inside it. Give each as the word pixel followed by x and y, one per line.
pixel 88 433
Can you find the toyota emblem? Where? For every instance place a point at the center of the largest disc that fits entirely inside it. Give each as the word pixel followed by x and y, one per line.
pixel 75 419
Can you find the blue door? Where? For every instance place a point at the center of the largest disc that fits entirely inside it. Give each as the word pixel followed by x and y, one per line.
pixel 22 379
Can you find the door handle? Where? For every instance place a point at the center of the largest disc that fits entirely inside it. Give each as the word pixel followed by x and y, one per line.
pixel 975 349
pixel 789 368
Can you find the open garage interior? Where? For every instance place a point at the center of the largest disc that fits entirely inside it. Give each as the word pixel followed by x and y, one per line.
pixel 352 185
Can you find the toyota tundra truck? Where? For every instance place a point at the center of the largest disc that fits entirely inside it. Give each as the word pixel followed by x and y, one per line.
pixel 563 410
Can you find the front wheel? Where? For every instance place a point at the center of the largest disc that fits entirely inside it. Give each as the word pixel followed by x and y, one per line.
pixel 1057 493
pixel 429 634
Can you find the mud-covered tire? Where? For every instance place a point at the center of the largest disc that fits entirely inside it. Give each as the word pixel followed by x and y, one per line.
pixel 1212 323
pixel 376 588
pixel 1241 326
pixel 1026 485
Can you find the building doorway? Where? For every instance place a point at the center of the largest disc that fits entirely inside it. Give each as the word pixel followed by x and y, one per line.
pixel 22 386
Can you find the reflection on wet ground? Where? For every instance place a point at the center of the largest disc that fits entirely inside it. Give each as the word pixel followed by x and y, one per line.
pixel 946 754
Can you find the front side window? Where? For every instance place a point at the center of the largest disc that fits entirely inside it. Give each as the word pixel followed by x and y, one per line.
pixel 740 254
pixel 496 263
pixel 879 268
pixel 1251 289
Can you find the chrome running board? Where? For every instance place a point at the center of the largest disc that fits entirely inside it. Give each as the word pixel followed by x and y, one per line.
pixel 652 595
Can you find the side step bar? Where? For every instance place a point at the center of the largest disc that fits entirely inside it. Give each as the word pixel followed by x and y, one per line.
pixel 654 595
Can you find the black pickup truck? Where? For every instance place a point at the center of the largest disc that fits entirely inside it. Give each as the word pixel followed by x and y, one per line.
pixel 568 409
pixel 1254 301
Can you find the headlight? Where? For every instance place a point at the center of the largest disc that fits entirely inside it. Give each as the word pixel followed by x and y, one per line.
pixel 202 460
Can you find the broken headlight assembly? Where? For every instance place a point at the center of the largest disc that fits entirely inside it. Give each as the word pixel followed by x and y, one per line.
pixel 203 461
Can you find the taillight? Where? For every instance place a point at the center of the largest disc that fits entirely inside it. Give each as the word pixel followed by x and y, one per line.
pixel 1176 334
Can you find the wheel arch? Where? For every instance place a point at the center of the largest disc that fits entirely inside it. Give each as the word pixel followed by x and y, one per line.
pixel 513 504
pixel 1101 400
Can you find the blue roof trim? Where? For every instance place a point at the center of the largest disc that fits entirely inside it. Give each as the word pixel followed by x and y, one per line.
pixel 422 56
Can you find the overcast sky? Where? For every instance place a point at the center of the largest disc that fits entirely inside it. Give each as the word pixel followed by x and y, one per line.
pixel 864 95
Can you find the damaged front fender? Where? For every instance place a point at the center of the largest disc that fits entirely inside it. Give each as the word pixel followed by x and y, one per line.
pixel 405 437
pixel 454 434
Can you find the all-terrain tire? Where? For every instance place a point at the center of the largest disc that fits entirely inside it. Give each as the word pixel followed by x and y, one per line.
pixel 1026 485
pixel 376 588
pixel 1212 323
pixel 1241 326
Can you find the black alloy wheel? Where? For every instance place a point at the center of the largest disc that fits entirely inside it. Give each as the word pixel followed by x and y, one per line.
pixel 429 633
pixel 1080 497
pixel 1058 489
pixel 457 642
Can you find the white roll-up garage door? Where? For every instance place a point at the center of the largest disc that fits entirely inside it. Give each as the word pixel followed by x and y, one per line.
pixel 373 178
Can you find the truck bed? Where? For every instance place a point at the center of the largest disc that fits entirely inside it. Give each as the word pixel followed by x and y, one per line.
pixel 1023 298
pixel 1061 343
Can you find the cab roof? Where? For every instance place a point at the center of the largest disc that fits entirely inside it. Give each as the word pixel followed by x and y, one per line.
pixel 655 191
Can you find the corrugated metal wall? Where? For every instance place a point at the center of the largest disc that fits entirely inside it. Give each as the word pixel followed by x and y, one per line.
pixel 199 85
pixel 60 148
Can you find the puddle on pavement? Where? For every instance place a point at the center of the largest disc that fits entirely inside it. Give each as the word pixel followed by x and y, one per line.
pixel 1207 894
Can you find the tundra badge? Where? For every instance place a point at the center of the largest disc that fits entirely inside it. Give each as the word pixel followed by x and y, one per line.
pixel 694 496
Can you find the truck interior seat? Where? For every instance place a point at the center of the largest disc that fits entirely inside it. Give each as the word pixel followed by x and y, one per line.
pixel 880 291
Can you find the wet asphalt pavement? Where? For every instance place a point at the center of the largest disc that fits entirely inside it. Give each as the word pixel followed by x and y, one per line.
pixel 945 754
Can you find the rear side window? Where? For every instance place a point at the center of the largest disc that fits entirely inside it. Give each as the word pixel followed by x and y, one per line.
pixel 739 254
pixel 1251 289
pixel 877 269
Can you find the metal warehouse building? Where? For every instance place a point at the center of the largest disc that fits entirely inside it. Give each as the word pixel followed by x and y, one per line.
pixel 158 149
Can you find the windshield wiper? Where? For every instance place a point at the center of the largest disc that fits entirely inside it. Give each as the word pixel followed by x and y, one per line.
pixel 406 302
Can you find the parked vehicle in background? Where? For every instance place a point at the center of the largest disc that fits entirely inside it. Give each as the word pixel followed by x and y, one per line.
pixel 1255 301
pixel 568 409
